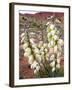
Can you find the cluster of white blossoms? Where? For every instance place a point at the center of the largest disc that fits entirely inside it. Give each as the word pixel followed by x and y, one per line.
pixel 50 51
pixel 31 51
pixel 55 44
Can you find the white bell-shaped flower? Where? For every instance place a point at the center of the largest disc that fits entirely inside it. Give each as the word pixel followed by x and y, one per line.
pixel 52 57
pixel 25 45
pixel 26 54
pixel 36 51
pixel 31 59
pixel 35 71
pixel 48 35
pixel 46 50
pixel 28 50
pixel 41 49
pixel 61 42
pixel 55 37
pixel 58 54
pixel 42 53
pixel 58 60
pixel 59 48
pixel 55 49
pixel 22 35
pixel 47 57
pixel 49 45
pixel 47 23
pixel 51 50
pixel 49 39
pixel 32 41
pixel 42 57
pixel 22 40
pixel 37 68
pixel 53 32
pixel 52 64
pixel 53 69
pixel 52 26
pixel 34 64
pixel 58 66
pixel 34 46
pixel 57 32
pixel 40 44
pixel 38 57
pixel 52 43
pixel 45 45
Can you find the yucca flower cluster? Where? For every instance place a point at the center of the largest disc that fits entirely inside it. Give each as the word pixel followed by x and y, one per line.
pixel 43 52
pixel 55 44
pixel 32 52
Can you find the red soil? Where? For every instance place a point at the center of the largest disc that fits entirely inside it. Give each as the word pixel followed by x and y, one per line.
pixel 25 71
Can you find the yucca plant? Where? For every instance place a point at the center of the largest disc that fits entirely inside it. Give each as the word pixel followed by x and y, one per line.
pixel 45 57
